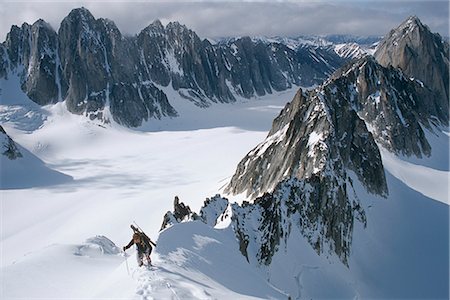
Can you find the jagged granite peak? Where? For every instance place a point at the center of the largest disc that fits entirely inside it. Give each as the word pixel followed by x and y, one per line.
pixel 99 66
pixel 103 75
pixel 42 23
pixel 33 50
pixel 157 24
pixel 303 174
pixel 361 103
pixel 80 14
pixel 82 46
pixel 177 28
pixel 43 66
pixel 395 108
pixel 316 133
pixel 17 44
pixel 315 145
pixel 155 28
pixel 422 55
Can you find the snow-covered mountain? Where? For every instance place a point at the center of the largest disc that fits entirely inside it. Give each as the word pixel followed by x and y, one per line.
pixel 351 50
pixel 104 75
pixel 325 156
pixel 421 55
pixel 346 197
pixel 346 46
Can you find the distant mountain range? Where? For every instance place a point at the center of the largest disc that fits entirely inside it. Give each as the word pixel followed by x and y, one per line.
pixel 105 75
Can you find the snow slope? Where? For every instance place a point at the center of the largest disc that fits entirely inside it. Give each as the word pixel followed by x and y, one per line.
pixel 119 176
pixel 401 254
pixel 122 175
pixel 27 170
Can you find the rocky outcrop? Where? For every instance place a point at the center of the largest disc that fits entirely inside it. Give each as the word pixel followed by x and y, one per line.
pixel 104 75
pixel 318 132
pixel 423 56
pixel 262 227
pixel 20 169
pixel 181 213
pixel 360 104
pixel 9 148
pixel 212 209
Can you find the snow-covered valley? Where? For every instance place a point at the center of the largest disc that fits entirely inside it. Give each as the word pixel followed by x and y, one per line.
pixel 122 175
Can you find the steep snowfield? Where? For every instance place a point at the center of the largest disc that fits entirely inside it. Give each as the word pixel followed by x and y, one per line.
pixel 121 175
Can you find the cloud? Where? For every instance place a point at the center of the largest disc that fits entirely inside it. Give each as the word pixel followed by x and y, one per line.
pixel 219 19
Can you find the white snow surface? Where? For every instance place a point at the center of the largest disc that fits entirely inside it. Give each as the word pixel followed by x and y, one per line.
pixel 49 248
pixel 427 181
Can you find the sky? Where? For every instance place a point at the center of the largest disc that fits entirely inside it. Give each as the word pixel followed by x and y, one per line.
pixel 212 19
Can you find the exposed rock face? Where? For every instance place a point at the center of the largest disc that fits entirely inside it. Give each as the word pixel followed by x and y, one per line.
pixel 213 210
pixel 101 70
pixel 318 132
pixel 323 209
pixel 103 75
pixel 394 107
pixel 34 48
pixel 9 148
pixel 422 55
pixel 304 164
pixel 261 227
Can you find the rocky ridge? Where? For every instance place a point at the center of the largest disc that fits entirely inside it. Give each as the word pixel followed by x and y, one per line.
pixel 302 176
